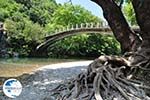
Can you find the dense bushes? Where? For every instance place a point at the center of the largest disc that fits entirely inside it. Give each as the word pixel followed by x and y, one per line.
pixel 28 21
pixel 85 45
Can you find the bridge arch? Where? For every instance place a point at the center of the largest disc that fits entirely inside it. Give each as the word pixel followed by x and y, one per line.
pixel 78 29
pixel 50 40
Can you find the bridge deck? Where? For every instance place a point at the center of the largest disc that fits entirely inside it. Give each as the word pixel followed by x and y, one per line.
pixel 51 39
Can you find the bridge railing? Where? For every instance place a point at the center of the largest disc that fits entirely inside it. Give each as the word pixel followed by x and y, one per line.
pixel 82 26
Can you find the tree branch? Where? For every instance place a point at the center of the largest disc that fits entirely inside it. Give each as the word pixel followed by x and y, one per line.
pixel 142 10
pixel 116 20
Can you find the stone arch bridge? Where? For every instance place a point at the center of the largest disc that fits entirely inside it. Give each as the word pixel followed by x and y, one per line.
pixel 101 28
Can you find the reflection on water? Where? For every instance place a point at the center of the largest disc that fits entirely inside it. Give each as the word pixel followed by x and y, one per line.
pixel 18 66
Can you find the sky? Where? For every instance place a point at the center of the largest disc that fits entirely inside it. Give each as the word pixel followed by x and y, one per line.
pixel 87 4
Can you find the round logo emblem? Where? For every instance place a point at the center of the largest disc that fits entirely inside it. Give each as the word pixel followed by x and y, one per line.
pixel 12 88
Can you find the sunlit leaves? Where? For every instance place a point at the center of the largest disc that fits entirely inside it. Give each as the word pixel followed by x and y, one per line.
pixel 129 13
pixel 8 8
pixel 68 14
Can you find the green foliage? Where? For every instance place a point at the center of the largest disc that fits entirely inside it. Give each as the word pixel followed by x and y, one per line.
pixel 68 14
pixel 21 30
pixel 85 45
pixel 8 8
pixel 129 13
pixel 18 26
pixel 21 34
pixel 39 11
pixel 28 21
pixel 128 10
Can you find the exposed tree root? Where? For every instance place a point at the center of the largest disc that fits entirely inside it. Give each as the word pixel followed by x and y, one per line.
pixel 107 78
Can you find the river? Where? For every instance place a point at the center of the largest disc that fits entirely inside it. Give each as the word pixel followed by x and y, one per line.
pixel 13 67
pixel 47 74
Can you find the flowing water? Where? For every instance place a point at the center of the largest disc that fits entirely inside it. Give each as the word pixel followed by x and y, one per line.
pixel 47 74
pixel 17 66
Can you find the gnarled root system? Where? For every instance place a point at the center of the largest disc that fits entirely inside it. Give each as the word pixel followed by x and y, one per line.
pixel 107 78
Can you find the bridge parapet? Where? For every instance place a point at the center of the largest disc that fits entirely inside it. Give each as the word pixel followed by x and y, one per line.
pixel 70 30
pixel 81 26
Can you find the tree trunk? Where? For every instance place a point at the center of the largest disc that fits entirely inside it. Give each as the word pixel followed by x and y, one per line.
pixel 3 42
pixel 106 77
pixel 142 10
pixel 116 20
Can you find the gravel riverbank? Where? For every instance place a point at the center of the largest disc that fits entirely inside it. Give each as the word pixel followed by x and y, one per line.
pixel 37 86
